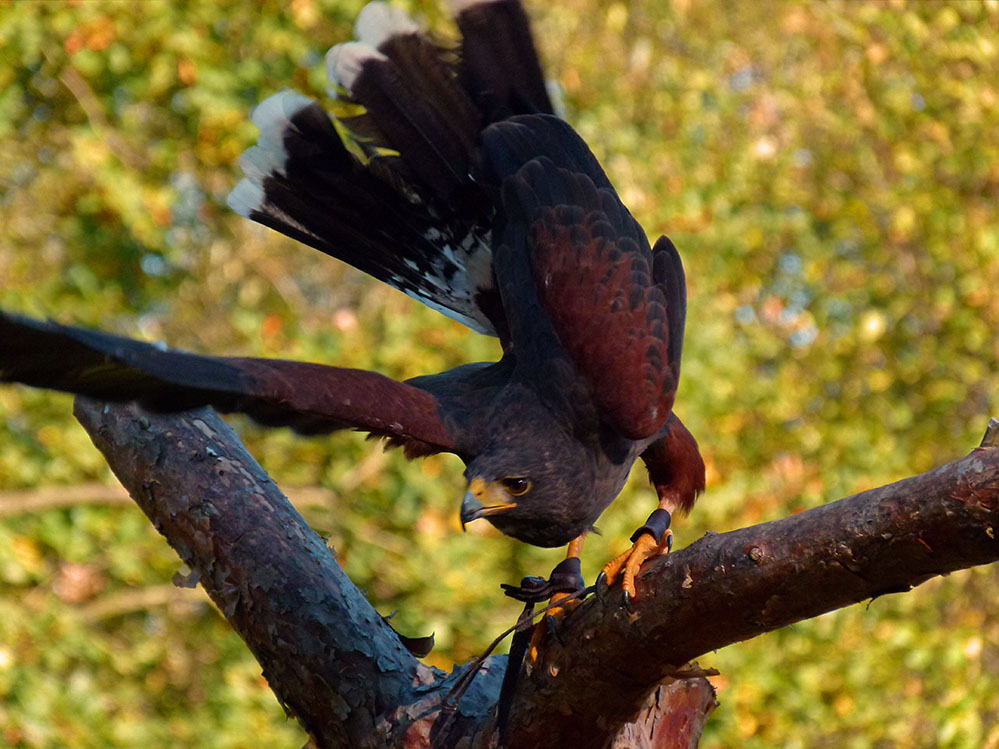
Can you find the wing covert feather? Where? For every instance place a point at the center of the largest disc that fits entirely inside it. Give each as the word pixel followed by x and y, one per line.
pixel 607 295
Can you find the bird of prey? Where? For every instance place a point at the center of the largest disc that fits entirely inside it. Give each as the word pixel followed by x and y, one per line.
pixel 458 185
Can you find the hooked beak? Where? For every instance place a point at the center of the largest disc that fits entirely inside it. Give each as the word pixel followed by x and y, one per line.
pixel 482 500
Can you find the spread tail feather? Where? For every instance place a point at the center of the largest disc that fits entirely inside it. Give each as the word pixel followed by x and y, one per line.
pixel 390 191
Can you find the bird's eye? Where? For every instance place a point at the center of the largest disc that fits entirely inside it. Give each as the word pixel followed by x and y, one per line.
pixel 516 485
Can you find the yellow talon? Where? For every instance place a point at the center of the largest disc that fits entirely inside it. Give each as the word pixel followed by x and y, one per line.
pixel 632 560
pixel 541 628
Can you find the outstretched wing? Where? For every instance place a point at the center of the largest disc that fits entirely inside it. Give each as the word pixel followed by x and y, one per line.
pixel 616 305
pixel 309 398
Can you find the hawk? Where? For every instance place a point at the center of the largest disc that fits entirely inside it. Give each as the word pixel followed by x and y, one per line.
pixel 458 185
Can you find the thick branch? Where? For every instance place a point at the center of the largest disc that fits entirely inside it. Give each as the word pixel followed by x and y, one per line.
pixel 325 651
pixel 341 669
pixel 730 587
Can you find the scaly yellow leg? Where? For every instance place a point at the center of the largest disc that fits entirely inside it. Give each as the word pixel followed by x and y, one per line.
pixel 574 551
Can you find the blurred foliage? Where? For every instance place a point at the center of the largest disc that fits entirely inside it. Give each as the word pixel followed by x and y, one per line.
pixel 830 172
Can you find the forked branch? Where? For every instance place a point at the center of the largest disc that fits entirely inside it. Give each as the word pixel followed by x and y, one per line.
pixel 615 678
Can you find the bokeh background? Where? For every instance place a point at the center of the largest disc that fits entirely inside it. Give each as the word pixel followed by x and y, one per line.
pixel 830 173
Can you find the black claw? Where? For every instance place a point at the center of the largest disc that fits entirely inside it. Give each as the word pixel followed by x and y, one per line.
pixel 553 629
pixel 669 543
pixel 600 584
pixel 627 603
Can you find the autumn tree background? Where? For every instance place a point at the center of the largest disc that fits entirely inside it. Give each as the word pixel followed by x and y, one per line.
pixel 830 173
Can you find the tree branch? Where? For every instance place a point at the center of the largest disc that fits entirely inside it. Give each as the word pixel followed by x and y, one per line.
pixel 614 679
pixel 730 587
pixel 325 651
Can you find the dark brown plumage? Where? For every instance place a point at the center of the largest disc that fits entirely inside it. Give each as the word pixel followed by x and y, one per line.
pixel 488 208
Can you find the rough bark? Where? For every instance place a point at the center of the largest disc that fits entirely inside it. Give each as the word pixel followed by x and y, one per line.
pixel 326 653
pixel 615 679
pixel 730 587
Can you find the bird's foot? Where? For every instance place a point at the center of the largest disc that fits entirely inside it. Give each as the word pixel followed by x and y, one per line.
pixel 565 582
pixel 549 624
pixel 651 540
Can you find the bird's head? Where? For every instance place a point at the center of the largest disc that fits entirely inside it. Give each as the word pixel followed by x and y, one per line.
pixel 528 495
pixel 537 482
